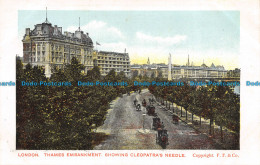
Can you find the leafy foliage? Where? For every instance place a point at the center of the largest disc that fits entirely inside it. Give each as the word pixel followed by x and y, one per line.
pixel 62 117
pixel 217 103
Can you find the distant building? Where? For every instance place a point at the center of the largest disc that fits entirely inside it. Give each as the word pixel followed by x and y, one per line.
pixel 107 61
pixel 234 73
pixel 180 71
pixel 156 70
pixel 47 46
pixel 148 61
pixel 202 71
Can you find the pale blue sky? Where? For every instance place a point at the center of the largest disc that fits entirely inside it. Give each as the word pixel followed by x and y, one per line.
pixel 208 35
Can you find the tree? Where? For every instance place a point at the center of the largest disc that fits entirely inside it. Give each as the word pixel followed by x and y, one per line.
pixel 111 76
pixel 153 75
pixel 53 117
pixel 74 71
pixel 30 113
pixel 160 75
pixel 135 74
pixel 94 74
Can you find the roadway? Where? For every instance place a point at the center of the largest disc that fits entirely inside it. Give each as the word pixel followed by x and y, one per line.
pixel 124 127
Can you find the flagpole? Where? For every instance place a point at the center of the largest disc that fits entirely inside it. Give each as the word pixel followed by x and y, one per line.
pixel 97 45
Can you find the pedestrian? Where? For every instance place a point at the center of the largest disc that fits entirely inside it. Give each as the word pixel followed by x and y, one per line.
pixel 162 125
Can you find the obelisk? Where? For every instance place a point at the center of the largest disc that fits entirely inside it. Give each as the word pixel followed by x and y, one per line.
pixel 170 68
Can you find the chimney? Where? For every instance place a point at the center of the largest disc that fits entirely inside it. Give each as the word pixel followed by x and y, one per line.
pixel 60 29
pixel 27 31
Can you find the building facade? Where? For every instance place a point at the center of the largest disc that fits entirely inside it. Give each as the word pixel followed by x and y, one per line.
pixel 48 47
pixel 107 61
pixel 202 71
pixel 179 71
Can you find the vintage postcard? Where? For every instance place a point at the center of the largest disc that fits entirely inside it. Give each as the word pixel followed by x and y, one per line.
pixel 124 83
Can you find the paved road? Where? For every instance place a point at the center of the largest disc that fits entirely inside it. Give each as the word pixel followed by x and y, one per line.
pixel 124 125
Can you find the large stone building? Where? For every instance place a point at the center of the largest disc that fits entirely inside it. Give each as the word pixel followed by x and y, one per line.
pixel 179 71
pixel 107 61
pixel 202 71
pixel 47 46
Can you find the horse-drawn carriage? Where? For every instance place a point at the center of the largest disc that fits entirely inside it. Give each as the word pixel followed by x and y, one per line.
pixel 144 103
pixel 175 119
pixel 156 123
pixel 162 138
pixel 151 100
pixel 162 135
pixel 150 110
pixel 135 102
pixel 138 107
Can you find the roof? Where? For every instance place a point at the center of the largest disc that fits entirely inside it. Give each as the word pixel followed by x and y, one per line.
pixel 114 53
pixel 46 29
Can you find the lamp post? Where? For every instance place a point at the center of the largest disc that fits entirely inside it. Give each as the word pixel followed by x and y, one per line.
pixel 143 119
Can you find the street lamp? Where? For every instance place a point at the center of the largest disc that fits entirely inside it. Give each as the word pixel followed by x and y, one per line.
pixel 143 119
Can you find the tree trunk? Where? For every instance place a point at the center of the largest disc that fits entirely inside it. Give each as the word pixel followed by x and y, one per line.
pixel 181 111
pixel 210 123
pixel 186 113
pixel 200 120
pixel 192 117
pixel 213 129
pixel 221 133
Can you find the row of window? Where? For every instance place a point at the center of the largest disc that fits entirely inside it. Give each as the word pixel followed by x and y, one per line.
pixel 55 46
pixel 114 66
pixel 43 52
pixel 56 59
pixel 52 54
pixel 39 59
pixel 112 62
pixel 111 58
pixel 117 70
pixel 38 54
pixel 201 72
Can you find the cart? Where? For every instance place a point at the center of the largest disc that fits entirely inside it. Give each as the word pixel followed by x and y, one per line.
pixel 162 138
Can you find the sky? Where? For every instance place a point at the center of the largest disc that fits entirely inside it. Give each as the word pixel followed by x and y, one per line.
pixel 212 36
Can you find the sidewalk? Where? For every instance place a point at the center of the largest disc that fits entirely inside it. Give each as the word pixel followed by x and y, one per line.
pixel 230 139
